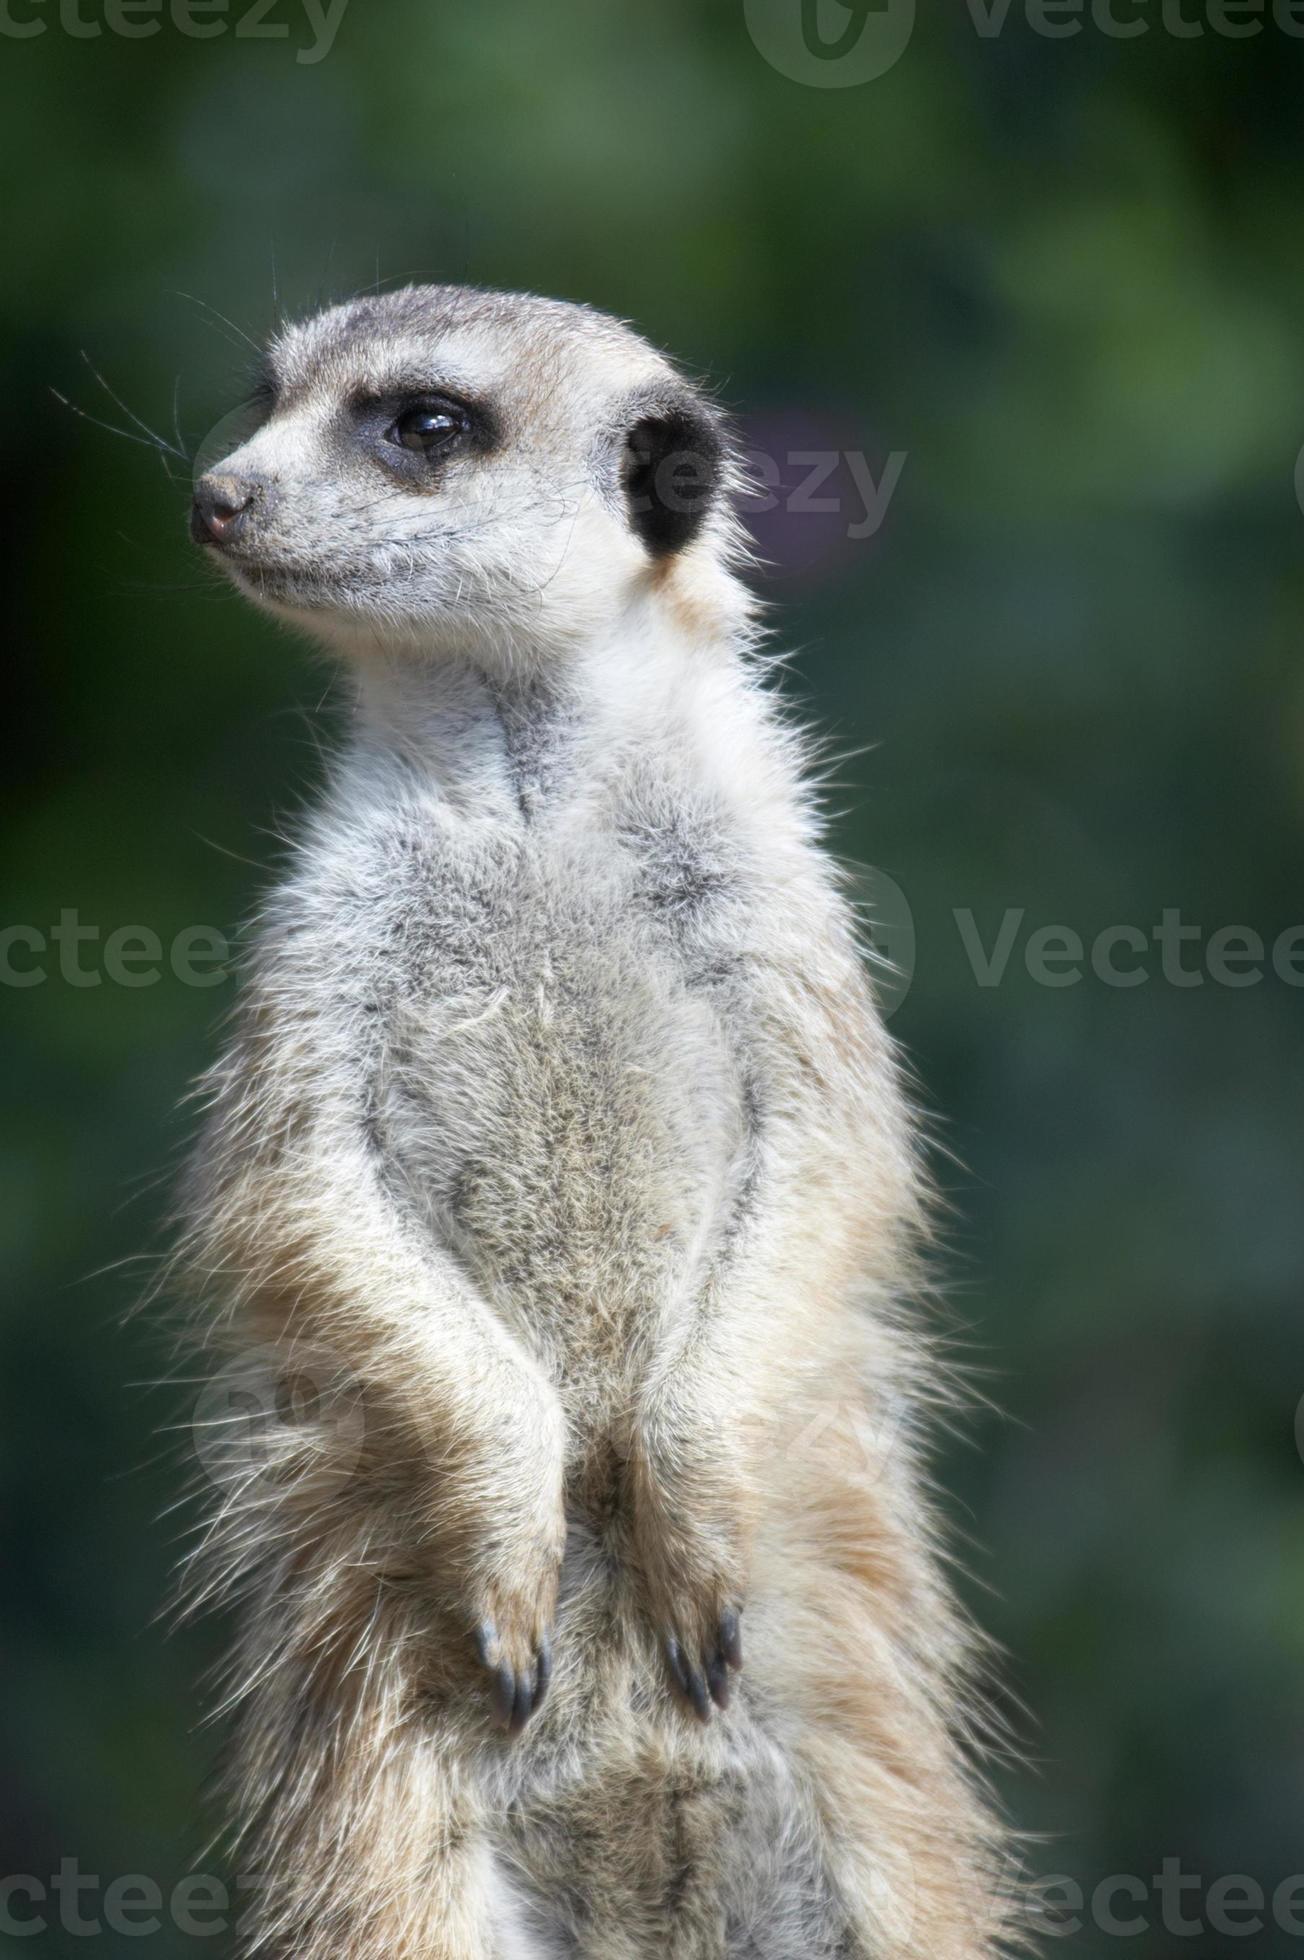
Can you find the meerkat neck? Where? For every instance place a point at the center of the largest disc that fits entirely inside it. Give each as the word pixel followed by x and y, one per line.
pixel 514 735
pixel 488 741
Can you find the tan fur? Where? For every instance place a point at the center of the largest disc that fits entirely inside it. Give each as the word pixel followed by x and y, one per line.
pixel 559 1144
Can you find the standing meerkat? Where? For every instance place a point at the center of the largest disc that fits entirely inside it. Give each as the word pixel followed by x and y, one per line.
pixel 558 1130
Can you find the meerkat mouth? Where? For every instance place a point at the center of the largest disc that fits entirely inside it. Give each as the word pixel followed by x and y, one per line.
pixel 296 583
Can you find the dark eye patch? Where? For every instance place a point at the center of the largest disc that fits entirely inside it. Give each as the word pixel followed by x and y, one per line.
pixel 412 428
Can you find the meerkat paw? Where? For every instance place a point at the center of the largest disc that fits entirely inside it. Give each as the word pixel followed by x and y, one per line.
pixel 695 1602
pixel 511 1519
pixel 512 1600
pixel 514 1643
pixel 701 1662
pixel 691 1529
pixel 515 1607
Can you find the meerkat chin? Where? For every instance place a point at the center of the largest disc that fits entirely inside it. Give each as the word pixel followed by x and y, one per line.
pixel 559 1143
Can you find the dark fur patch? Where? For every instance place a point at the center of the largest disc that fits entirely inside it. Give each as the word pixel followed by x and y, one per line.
pixel 674 455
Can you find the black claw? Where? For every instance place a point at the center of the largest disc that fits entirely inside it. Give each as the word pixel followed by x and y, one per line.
pixel 717 1679
pixel 731 1637
pixel 514 1697
pixel 523 1705
pixel 502 1694
pixel 674 1655
pixel 691 1685
pixel 542 1671
pixel 504 1697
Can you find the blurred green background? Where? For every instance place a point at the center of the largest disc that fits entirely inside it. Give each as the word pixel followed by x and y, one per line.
pixel 1064 278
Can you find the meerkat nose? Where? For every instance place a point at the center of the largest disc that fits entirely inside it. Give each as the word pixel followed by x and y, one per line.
pixel 220 507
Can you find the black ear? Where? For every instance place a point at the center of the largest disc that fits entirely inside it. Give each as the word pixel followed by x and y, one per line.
pixel 674 456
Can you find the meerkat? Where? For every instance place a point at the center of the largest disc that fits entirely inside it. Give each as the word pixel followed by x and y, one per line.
pixel 559 1143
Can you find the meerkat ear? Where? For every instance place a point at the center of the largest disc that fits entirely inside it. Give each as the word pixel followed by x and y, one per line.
pixel 671 470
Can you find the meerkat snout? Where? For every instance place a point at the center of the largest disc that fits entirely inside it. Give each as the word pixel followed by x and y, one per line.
pixel 221 506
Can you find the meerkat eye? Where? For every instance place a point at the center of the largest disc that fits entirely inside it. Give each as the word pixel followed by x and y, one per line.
pixel 427 427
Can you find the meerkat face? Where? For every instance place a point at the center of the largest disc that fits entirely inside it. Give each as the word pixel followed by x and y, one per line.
pixel 449 466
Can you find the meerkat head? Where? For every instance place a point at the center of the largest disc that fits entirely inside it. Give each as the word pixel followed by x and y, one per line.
pixel 453 468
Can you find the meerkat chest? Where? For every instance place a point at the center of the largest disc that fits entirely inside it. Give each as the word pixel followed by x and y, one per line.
pixel 557 1085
